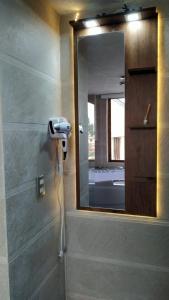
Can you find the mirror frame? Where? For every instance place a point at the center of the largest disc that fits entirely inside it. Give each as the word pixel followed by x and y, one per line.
pixel 108 22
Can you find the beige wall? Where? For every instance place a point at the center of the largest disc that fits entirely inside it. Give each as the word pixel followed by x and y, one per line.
pixel 112 256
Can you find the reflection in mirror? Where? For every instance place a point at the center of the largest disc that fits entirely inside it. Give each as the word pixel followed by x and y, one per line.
pixel 101 111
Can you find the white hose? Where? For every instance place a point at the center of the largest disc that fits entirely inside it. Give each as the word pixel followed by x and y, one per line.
pixel 60 198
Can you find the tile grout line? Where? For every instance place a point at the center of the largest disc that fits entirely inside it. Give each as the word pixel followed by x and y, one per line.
pixel 25 67
pixel 44 281
pixel 117 262
pixel 24 126
pixel 33 240
pixel 84 296
pixel 27 185
pixel 109 217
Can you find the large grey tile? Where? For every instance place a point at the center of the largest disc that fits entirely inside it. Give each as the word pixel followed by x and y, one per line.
pixel 4 282
pixel 54 286
pixel 26 37
pixel 83 144
pixel 115 281
pixel 69 185
pixel 31 267
pixel 84 199
pixel 82 76
pixel 163 107
pixel 84 177
pixel 29 152
pixel 2 171
pixel 163 203
pixel 66 41
pixel 163 45
pixel 3 231
pixel 163 147
pixel 68 106
pixel 133 241
pixel 76 296
pixel 27 97
pixel 27 214
pixel 70 163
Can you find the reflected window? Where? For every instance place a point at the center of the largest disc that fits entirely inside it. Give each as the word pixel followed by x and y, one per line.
pixel 117 123
pixel 91 131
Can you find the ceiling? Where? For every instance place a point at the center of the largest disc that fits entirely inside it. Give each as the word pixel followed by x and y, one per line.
pixel 104 58
pixel 71 6
pixel 64 7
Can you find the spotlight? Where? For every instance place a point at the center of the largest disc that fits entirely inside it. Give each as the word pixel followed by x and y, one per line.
pixel 133 17
pixel 91 23
pixel 76 17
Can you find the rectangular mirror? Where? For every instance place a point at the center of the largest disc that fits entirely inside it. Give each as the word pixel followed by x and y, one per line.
pixel 101 110
pixel 116 114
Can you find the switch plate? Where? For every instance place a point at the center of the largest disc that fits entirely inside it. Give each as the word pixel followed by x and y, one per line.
pixel 41 186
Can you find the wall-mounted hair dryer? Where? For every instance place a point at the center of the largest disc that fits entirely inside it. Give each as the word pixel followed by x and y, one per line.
pixel 60 128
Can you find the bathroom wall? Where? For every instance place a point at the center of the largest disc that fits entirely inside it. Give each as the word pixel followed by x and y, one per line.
pixel 30 94
pixel 4 275
pixel 113 257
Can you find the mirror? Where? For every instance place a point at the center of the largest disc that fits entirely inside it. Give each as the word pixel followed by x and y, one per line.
pixel 116 113
pixel 101 114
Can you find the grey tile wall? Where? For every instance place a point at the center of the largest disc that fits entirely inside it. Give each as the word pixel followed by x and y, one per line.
pixel 115 281
pixel 27 215
pixel 30 94
pixel 34 96
pixel 4 280
pixel 26 37
pixel 115 238
pixel 76 296
pixel 3 231
pixel 114 258
pixel 29 152
pixel 51 290
pixel 32 265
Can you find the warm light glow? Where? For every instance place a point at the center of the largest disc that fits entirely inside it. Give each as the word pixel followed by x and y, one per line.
pixel 160 108
pixel 135 26
pixel 133 17
pixel 95 31
pixel 91 23
pixel 76 17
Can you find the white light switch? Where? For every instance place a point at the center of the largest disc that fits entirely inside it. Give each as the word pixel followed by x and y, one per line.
pixel 41 186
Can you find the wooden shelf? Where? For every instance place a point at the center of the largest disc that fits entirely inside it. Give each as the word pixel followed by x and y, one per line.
pixel 144 179
pixel 142 71
pixel 142 127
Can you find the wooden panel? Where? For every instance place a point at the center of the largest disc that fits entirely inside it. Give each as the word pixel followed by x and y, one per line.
pixel 140 153
pixel 141 44
pixel 141 138
pixel 141 90
pixel 113 19
pixel 141 71
pixel 140 197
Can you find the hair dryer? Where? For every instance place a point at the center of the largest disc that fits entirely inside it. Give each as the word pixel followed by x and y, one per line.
pixel 60 128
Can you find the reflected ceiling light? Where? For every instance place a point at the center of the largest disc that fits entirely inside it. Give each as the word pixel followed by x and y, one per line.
pixel 95 30
pixel 133 17
pixel 91 23
pixel 76 17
